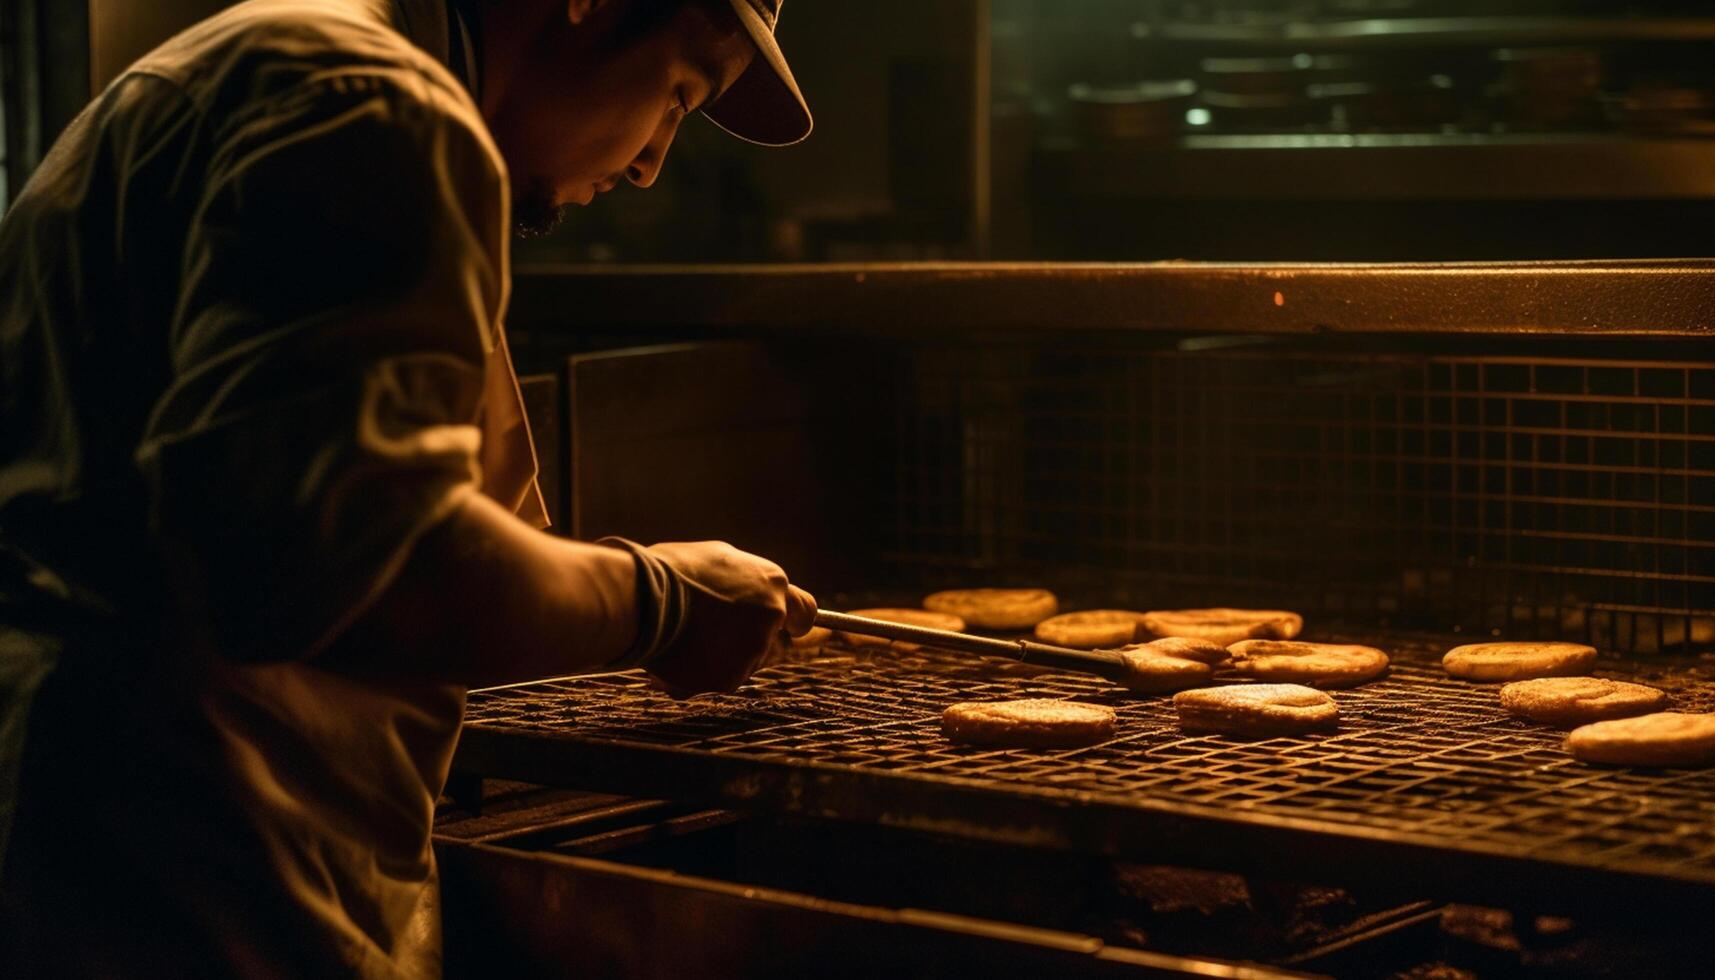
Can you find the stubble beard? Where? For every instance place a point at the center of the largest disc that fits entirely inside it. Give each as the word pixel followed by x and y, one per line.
pixel 535 213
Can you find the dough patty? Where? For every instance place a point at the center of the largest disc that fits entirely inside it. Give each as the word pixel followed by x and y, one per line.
pixel 1256 709
pixel 1568 701
pixel 1318 664
pixel 1518 661
pixel 1153 672
pixel 1187 648
pixel 1224 626
pixel 1091 629
pixel 1666 738
pixel 1031 723
pixel 996 609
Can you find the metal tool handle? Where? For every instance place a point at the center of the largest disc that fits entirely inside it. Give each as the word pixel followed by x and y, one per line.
pixel 1103 663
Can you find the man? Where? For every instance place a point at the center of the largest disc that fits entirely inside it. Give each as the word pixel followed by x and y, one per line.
pixel 267 502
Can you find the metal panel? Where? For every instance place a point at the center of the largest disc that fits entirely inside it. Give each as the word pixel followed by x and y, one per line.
pixel 1585 299
pixel 700 441
pixel 1421 168
pixel 514 914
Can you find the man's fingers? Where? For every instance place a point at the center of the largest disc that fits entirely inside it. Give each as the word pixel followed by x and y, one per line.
pixel 800 611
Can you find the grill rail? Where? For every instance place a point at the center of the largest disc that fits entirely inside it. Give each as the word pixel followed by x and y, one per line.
pixel 1428 787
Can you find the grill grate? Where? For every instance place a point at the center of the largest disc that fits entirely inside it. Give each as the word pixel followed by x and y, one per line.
pixel 1548 497
pixel 1419 755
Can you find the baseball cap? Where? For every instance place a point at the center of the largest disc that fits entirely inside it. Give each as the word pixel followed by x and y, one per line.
pixel 764 105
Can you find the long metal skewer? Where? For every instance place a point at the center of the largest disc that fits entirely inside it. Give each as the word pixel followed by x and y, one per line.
pixel 1103 663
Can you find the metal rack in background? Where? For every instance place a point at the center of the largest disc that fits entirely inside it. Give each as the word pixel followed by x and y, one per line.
pixel 1428 785
pixel 1525 450
pixel 1525 495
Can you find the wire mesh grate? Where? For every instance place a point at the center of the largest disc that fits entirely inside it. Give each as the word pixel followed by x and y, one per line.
pixel 1531 496
pixel 1417 753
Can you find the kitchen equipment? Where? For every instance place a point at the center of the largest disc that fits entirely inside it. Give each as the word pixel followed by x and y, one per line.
pixel 1410 456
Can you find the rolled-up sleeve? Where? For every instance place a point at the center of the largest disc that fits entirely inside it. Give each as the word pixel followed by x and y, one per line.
pixel 344 282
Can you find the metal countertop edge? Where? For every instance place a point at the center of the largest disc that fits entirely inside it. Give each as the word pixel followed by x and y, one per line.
pixel 1587 300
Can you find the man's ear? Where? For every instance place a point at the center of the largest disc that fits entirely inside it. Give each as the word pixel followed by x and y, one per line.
pixel 577 11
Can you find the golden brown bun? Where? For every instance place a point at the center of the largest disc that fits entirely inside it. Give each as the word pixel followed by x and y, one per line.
pixel 1518 661
pixel 1157 673
pixel 1224 626
pixel 1256 710
pixel 1663 739
pixel 1318 664
pixel 1187 648
pixel 1030 724
pixel 1091 629
pixel 1569 701
pixel 996 609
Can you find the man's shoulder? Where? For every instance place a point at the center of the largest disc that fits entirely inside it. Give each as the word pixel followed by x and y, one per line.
pixel 262 49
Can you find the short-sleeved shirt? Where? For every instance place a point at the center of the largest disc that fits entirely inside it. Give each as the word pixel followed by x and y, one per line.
pixel 251 350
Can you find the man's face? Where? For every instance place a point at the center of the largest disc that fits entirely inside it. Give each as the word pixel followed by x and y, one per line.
pixel 579 107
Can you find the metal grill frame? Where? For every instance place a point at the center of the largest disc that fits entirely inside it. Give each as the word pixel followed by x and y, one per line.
pixel 1538 495
pixel 1513 529
pixel 1428 789
pixel 1623 298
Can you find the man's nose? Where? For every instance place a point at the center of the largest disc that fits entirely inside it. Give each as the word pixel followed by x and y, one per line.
pixel 642 173
pixel 647 166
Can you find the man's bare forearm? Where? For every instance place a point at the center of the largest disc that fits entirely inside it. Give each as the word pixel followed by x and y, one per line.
pixel 486 599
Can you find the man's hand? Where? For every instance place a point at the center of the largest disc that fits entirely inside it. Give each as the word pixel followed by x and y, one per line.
pixel 738 606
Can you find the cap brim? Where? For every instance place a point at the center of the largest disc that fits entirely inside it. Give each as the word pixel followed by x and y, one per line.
pixel 764 105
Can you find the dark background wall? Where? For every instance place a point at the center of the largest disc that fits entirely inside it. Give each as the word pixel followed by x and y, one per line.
pixel 947 130
pixel 887 172
pixel 44 80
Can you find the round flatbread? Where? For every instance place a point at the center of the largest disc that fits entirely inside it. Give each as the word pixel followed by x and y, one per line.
pixel 1568 701
pixel 1664 739
pixel 910 617
pixel 1187 648
pixel 1158 673
pixel 1518 661
pixel 1256 710
pixel 1039 723
pixel 1317 664
pixel 1224 626
pixel 1091 629
pixel 996 609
